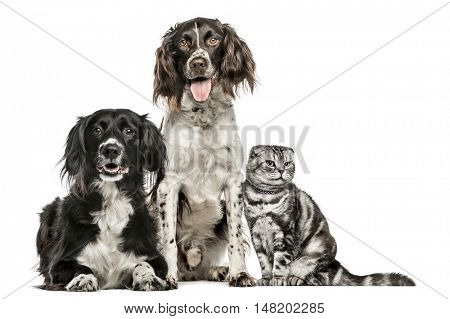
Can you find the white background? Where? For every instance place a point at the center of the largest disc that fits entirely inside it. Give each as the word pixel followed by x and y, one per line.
pixel 378 148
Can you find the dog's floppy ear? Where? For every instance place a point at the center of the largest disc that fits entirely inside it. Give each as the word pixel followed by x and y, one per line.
pixel 75 156
pixel 238 65
pixel 75 153
pixel 167 83
pixel 151 147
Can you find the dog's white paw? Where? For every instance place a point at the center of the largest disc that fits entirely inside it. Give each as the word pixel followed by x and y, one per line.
pixel 144 278
pixel 83 282
pixel 242 279
pixel 172 281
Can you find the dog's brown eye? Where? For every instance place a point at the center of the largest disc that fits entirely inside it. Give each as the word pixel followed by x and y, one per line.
pixel 213 41
pixel 270 163
pixel 97 131
pixel 183 43
pixel 128 132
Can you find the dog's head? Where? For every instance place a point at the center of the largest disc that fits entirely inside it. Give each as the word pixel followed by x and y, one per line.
pixel 112 145
pixel 198 54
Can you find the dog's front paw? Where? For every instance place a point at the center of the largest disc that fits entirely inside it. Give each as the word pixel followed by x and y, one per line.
pixel 83 282
pixel 278 281
pixel 144 278
pixel 263 282
pixel 295 281
pixel 172 282
pixel 242 279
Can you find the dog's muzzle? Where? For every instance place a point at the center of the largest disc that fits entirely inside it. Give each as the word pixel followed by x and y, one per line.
pixel 199 65
pixel 200 72
pixel 110 161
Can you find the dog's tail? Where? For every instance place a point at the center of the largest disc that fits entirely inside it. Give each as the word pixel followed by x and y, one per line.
pixel 338 275
pixel 44 236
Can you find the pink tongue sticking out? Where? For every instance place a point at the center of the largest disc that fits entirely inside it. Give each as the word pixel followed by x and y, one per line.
pixel 200 89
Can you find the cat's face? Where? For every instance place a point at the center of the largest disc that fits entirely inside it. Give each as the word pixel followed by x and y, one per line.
pixel 270 166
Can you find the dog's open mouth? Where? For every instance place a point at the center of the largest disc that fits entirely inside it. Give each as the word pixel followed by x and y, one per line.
pixel 112 169
pixel 201 88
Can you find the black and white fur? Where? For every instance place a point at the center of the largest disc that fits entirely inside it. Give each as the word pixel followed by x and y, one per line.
pixel 289 232
pixel 102 234
pixel 204 151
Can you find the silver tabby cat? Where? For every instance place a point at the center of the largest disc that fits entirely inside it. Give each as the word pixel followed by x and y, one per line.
pixel 289 232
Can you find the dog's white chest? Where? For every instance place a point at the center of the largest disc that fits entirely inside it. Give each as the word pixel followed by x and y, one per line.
pixel 203 157
pixel 103 256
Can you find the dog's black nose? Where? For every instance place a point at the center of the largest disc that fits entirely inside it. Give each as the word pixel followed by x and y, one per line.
pixel 198 64
pixel 111 151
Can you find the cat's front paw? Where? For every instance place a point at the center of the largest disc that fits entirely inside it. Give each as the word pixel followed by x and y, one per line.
pixel 263 282
pixel 295 281
pixel 278 281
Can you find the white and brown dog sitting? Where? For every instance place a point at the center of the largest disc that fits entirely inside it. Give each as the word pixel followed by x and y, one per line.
pixel 200 65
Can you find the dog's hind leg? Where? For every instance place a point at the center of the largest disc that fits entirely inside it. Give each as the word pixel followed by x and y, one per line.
pixel 145 279
pixel 194 257
pixel 217 273
pixel 45 239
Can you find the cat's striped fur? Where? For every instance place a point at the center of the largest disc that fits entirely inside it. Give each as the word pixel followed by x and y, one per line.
pixel 289 232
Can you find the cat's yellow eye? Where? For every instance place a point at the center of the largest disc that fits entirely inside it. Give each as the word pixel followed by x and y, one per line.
pixel 287 164
pixel 270 163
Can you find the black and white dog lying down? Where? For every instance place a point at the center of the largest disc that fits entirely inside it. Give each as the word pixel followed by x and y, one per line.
pixel 102 234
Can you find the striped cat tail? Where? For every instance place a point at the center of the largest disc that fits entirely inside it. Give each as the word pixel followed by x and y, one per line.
pixel 388 279
pixel 340 276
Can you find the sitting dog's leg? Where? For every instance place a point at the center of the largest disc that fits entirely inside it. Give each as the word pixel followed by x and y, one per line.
pixel 80 278
pixel 238 275
pixel 168 204
pixel 144 278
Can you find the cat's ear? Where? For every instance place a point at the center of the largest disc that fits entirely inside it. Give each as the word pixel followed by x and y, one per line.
pixel 255 151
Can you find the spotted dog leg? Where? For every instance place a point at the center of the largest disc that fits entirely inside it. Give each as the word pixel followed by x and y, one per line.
pixel 167 203
pixel 238 276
